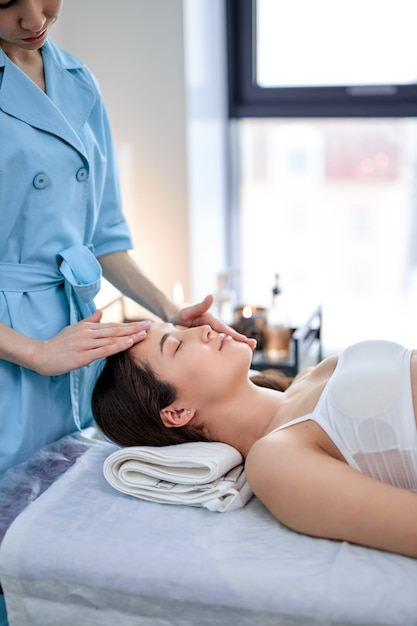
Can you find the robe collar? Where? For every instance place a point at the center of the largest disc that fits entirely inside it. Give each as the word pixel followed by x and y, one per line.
pixel 63 110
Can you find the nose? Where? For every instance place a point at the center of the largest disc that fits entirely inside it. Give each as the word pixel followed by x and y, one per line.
pixel 196 334
pixel 205 332
pixel 32 17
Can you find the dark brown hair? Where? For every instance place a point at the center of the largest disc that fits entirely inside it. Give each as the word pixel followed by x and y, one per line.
pixel 126 402
pixel 273 379
pixel 128 397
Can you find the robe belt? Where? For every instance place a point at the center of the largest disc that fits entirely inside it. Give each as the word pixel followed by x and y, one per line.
pixel 22 277
pixel 80 272
pixel 77 268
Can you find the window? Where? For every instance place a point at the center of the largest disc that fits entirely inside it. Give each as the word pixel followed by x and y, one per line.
pixel 320 58
pixel 325 199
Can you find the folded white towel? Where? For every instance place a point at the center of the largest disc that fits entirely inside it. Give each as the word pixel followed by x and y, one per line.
pixel 205 474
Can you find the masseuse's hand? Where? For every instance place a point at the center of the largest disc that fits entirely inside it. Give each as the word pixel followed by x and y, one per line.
pixel 198 314
pixel 84 342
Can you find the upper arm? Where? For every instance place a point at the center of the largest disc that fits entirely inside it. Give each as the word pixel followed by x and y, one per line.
pixel 313 493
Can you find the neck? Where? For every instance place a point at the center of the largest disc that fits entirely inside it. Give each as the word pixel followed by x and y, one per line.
pixel 29 61
pixel 19 56
pixel 251 414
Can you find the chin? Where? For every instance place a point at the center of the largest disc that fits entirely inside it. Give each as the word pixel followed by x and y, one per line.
pixel 247 354
pixel 240 351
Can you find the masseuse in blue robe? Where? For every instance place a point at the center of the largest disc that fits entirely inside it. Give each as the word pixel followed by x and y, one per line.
pixel 61 226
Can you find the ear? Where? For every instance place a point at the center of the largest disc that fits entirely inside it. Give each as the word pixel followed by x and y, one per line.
pixel 173 418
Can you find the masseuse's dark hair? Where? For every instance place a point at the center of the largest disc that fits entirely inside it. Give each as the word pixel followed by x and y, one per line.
pixel 126 402
pixel 128 397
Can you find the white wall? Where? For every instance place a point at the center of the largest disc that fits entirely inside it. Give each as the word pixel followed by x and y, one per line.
pixel 135 49
pixel 208 165
pixel 168 120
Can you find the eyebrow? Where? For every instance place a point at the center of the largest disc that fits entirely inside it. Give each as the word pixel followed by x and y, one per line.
pixel 163 340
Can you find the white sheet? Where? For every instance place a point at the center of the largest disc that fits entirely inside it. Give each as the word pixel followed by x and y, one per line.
pixel 85 554
pixel 207 474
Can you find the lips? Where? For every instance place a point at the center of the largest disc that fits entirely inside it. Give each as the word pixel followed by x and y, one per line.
pixel 36 38
pixel 223 340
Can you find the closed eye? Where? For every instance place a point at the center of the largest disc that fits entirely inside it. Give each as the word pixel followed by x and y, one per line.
pixel 178 346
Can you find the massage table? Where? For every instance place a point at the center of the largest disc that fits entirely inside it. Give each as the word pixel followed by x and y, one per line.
pixel 76 552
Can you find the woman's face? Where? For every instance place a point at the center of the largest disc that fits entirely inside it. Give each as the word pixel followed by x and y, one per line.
pixel 199 362
pixel 24 24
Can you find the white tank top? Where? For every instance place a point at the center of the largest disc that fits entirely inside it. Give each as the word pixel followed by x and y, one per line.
pixel 367 410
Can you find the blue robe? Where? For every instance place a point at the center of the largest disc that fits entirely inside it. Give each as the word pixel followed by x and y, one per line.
pixel 60 208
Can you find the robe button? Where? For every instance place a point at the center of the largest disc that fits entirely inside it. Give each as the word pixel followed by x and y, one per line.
pixel 40 181
pixel 82 175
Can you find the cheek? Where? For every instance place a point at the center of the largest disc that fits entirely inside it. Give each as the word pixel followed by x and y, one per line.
pixel 203 370
pixel 190 372
pixel 6 27
pixel 54 9
pixel 55 6
pixel 222 370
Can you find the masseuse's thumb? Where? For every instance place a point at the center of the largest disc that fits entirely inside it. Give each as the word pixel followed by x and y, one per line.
pixel 95 317
pixel 204 305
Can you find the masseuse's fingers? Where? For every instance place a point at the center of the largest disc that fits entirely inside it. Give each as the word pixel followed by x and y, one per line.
pixel 198 314
pixel 80 344
pixel 135 329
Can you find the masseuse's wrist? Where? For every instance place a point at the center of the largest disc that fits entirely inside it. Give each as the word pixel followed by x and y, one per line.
pixel 170 311
pixel 173 317
pixel 23 351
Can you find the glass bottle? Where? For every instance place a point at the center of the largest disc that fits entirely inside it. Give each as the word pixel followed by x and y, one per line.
pixel 278 331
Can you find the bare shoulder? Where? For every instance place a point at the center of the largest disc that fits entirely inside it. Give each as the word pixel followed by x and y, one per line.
pixel 316 494
pixel 272 456
pixel 270 448
pixel 272 466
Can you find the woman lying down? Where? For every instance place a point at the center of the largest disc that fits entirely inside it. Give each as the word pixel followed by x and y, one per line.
pixel 332 455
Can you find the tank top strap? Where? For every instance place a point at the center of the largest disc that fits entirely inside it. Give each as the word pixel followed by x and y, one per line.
pixel 298 420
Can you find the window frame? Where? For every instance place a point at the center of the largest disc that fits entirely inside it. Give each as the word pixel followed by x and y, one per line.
pixel 247 99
